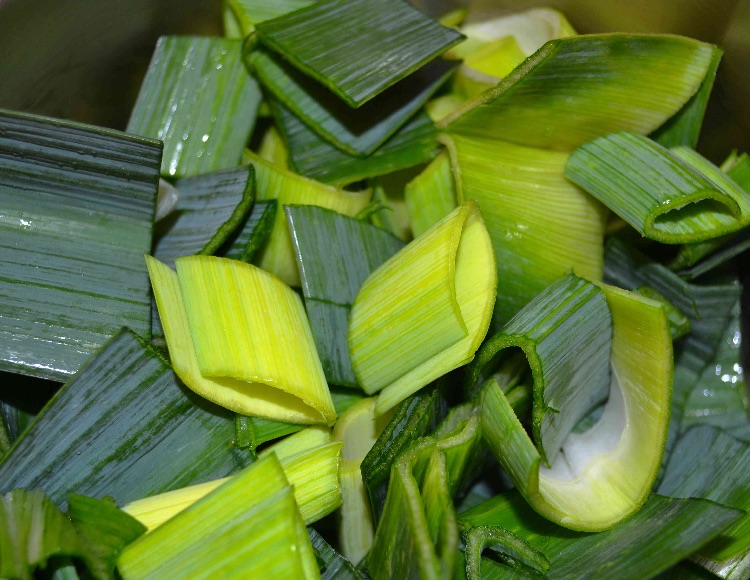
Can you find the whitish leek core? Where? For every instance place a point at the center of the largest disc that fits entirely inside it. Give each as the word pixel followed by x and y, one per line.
pixel 603 475
pixel 425 311
pixel 239 337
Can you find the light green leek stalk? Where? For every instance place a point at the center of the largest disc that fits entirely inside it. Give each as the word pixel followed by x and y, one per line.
pixel 239 336
pixel 425 311
pixel 249 526
pixel 431 195
pixel 603 475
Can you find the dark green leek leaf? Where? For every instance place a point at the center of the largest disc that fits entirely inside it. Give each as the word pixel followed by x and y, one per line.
pixel 334 565
pixel 355 131
pixel 104 531
pixel 199 99
pixel 685 127
pixel 253 233
pixel 335 254
pixel 679 323
pixel 33 530
pixel 77 206
pixel 710 464
pixel 516 552
pixel 662 533
pixel 414 143
pixel 210 208
pixel 357 48
pixel 670 196
pixel 575 89
pixel 244 14
pixel 123 427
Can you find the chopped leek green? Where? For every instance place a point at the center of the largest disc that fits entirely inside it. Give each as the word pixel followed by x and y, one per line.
pixel 198 98
pixel 333 565
pixel 241 16
pixel 388 191
pixel 480 537
pixel 392 40
pixel 249 238
pixel 239 337
pixel 431 195
pixel 426 310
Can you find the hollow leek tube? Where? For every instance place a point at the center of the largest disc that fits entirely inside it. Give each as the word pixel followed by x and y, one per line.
pixel 605 474
pixel 239 337
pixel 425 311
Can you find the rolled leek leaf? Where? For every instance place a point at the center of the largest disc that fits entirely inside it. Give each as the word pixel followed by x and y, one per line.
pixel 518 189
pixel 516 550
pixel 431 195
pixel 77 206
pixel 575 89
pixel 239 337
pixel 220 536
pixel 249 238
pixel 671 197
pixel 603 475
pixel 392 40
pixel 273 182
pixel 425 311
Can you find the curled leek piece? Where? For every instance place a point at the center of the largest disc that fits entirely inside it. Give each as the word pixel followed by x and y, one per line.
pixel 425 311
pixel 239 337
pixel 603 475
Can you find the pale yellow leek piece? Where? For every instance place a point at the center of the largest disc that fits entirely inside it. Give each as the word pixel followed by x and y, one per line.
pixel 239 337
pixel 426 310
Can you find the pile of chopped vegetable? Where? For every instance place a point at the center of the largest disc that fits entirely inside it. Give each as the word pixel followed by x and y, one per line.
pixel 420 298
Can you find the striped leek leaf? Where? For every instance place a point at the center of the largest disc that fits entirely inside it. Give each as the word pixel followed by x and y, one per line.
pixel 249 238
pixel 425 311
pixel 335 254
pixel 711 464
pixel 334 566
pixel 362 47
pixel 431 195
pixel 358 132
pixel 152 435
pixel 518 190
pixel 669 196
pixel 314 157
pixel 603 475
pixel 358 430
pixel 524 559
pixel 210 208
pixel 662 533
pixel 288 188
pixel 305 440
pixel 199 99
pixel 239 337
pixel 240 16
pixel 313 473
pixel 77 206
pixel 575 89
pixel 709 308
pixel 220 535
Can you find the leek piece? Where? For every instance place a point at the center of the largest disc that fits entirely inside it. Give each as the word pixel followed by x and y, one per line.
pixel 357 132
pixel 679 323
pixel 32 531
pixel 288 188
pixel 718 398
pixel 152 435
pixel 166 199
pixel 575 89
pixel 388 190
pixel 426 310
pixel 334 566
pixel 239 337
pixel 733 569
pixel 671 197
pixel 431 195
pixel 483 68
pixel 415 417
pixel 518 189
pixel 314 157
pixel 442 106
pixel 392 40
pixel 211 207
pixel 313 473
pixel 252 233
pixel 243 15
pixel 662 533
pixel 248 527
pixel 300 442
pixel 603 475
pixel 710 464
pixel 566 335
pixel 685 127
pixel 335 254
pixel 77 206
pixel 515 550
pixel 358 429
pixel 199 99
pixel 272 148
